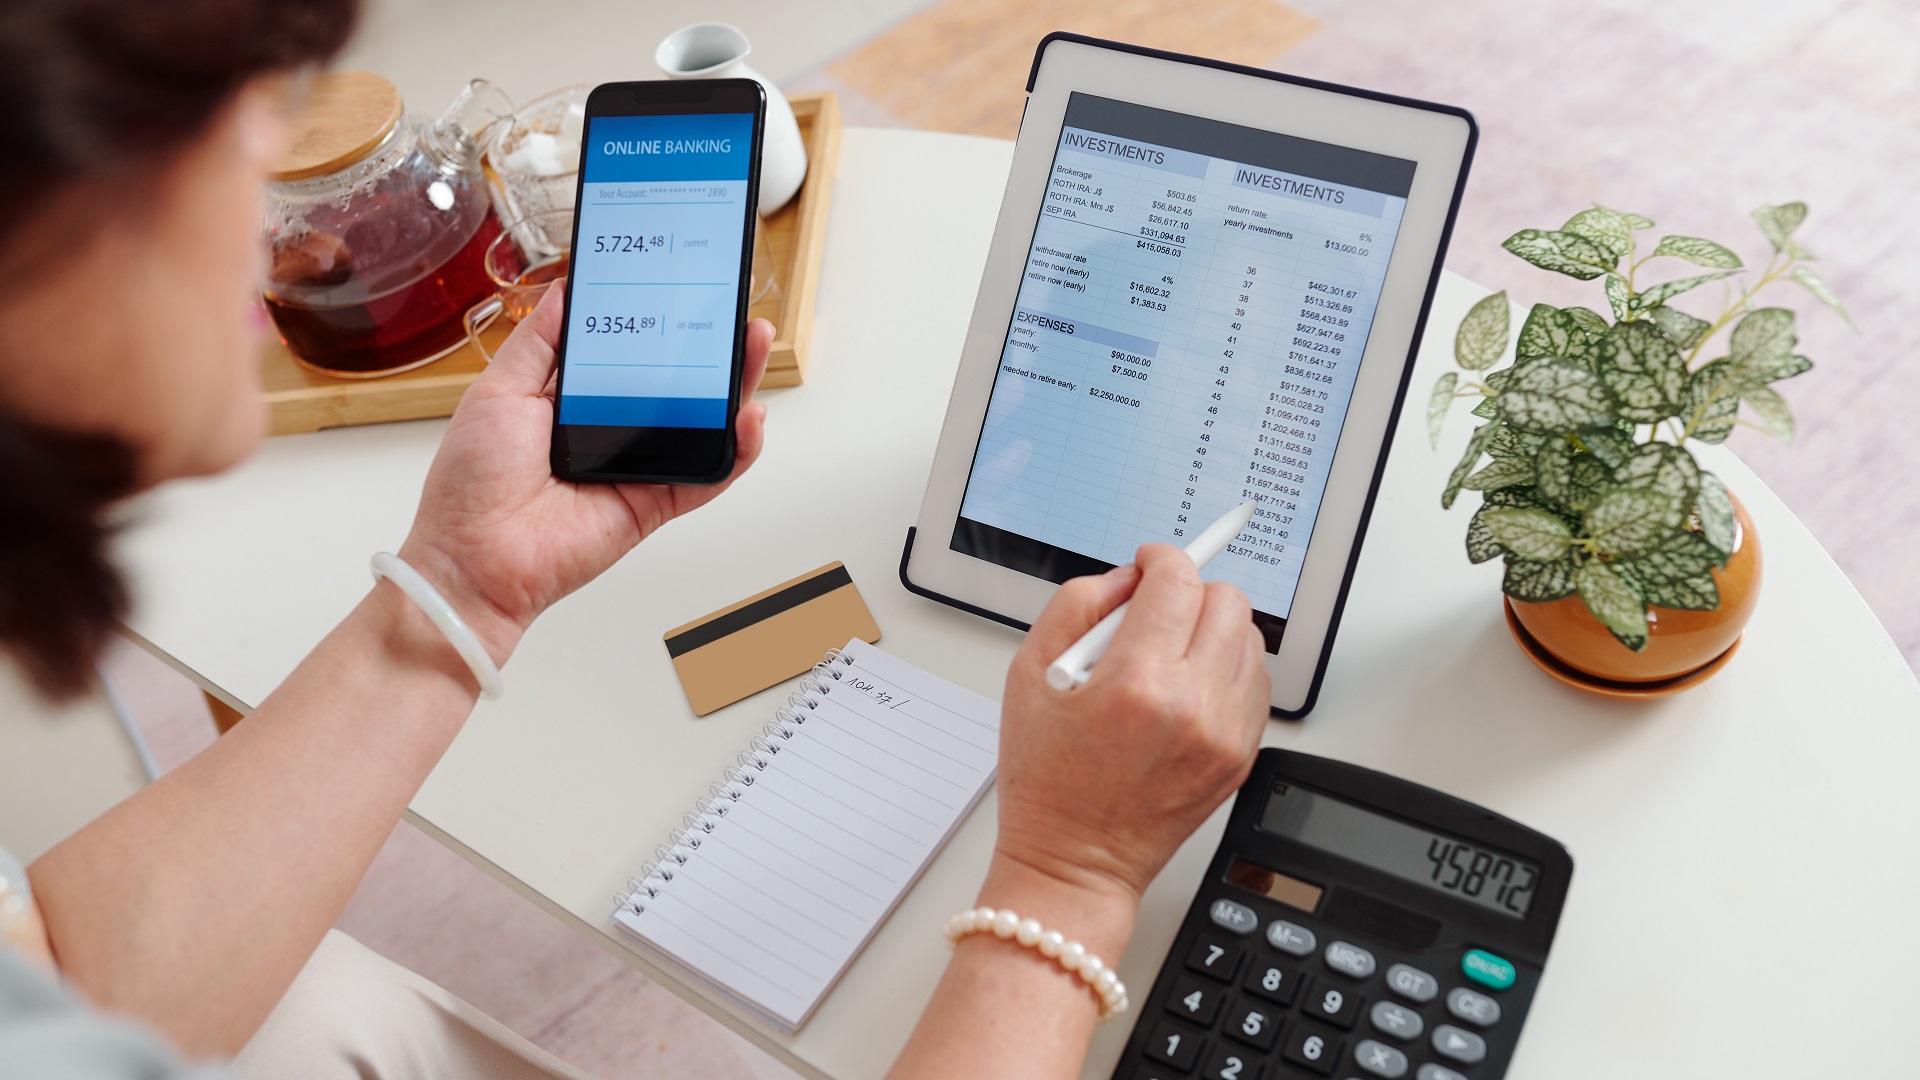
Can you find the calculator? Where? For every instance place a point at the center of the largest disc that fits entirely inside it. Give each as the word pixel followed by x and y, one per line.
pixel 1353 925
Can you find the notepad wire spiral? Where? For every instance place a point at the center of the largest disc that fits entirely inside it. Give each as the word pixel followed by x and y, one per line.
pixel 733 784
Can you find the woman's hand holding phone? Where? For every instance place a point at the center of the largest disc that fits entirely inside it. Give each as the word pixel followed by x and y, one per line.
pixel 497 533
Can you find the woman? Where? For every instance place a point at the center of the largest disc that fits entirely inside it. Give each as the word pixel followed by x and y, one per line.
pixel 138 136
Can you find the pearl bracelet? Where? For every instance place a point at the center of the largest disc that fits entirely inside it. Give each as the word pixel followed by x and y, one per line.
pixel 1052 944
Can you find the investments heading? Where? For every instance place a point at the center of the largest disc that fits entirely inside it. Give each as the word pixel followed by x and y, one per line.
pixel 1270 150
pixel 1097 145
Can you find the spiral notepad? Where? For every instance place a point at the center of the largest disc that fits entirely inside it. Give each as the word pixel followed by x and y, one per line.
pixel 779 876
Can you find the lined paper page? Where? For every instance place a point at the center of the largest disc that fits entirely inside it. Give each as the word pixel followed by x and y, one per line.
pixel 780 888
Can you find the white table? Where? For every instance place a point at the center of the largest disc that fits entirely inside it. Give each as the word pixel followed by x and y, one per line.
pixel 1747 852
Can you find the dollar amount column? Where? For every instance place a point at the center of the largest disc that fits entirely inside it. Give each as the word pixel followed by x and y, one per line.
pixel 1304 400
pixel 1149 296
pixel 1231 348
pixel 1172 228
pixel 1290 408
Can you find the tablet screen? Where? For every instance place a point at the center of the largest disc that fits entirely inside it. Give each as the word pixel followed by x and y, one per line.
pixel 1186 336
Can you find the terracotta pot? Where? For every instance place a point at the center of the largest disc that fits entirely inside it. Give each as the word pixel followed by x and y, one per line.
pixel 1678 642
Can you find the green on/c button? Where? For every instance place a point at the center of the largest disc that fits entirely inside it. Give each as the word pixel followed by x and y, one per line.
pixel 1487 969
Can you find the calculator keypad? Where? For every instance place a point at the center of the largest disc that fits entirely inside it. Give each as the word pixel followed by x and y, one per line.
pixel 1216 958
pixel 1412 983
pixel 1397 1020
pixel 1380 1059
pixel 1336 1003
pixel 1269 999
pixel 1253 1023
pixel 1275 981
pixel 1350 959
pixel 1290 938
pixel 1313 1048
pixel 1232 1063
pixel 1234 918
pixel 1462 1046
pixel 1472 1006
pixel 1196 1001
pixel 1174 1045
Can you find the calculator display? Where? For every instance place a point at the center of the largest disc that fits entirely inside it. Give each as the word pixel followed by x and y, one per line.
pixel 1490 879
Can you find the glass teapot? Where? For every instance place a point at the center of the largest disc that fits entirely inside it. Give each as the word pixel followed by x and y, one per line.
pixel 377 226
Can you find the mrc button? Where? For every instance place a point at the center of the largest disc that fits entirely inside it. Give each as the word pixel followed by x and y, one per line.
pixel 1487 969
pixel 1349 959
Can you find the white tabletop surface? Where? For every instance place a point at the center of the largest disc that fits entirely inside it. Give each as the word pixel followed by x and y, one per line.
pixel 1746 853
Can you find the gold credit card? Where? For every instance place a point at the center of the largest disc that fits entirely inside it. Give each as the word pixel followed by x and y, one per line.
pixel 768 638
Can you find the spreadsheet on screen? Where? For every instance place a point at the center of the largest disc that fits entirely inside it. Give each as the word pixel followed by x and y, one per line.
pixel 1192 315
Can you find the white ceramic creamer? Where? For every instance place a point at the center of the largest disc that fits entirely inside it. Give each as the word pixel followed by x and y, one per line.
pixel 719 51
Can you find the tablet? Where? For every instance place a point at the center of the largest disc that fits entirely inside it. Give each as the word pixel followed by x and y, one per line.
pixel 1207 284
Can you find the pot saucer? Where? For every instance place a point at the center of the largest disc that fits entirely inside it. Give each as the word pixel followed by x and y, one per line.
pixel 1580 680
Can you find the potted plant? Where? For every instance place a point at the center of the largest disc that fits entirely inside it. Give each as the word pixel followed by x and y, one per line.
pixel 1626 562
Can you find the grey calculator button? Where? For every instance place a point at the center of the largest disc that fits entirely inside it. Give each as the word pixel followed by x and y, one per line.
pixel 1477 1009
pixel 1235 917
pixel 1431 1071
pixel 1462 1046
pixel 1290 938
pixel 1397 1020
pixel 1412 983
pixel 1380 1059
pixel 1349 959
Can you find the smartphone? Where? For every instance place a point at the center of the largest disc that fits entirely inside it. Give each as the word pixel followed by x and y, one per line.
pixel 654 338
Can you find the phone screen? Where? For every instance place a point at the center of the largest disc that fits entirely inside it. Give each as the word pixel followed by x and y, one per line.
pixel 655 296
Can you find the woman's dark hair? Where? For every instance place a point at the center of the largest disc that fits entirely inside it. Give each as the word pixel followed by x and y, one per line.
pixel 104 92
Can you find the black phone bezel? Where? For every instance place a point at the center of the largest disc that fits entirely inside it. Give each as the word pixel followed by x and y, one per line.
pixel 663 455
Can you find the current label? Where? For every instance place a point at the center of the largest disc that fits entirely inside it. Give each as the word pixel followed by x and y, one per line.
pixel 1194 308
pixel 656 266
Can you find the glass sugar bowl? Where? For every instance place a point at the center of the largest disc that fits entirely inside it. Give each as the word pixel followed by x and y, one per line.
pixel 534 161
pixel 377 226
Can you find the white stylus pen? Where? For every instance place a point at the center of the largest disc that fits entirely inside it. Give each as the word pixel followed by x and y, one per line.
pixel 1074 665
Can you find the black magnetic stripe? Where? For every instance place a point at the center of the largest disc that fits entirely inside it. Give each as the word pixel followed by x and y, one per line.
pixel 764 608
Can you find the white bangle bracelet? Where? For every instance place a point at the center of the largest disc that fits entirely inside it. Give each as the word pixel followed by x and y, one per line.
pixel 458 633
pixel 20 925
pixel 1053 945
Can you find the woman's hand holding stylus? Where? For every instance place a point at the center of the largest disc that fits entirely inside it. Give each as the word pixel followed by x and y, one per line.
pixel 1098 786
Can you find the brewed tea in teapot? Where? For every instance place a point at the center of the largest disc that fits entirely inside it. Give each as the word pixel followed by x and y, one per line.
pixel 377 225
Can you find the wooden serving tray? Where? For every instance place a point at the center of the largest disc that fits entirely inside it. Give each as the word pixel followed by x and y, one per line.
pixel 302 400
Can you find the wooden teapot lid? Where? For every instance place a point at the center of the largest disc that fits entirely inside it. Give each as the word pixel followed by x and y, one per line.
pixel 345 114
